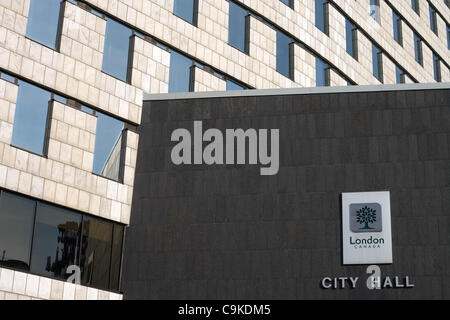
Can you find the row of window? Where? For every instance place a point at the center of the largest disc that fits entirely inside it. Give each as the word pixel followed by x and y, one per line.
pixel 49 241
pixel 30 128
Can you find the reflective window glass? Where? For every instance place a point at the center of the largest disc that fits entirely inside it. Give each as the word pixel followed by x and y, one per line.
pixel 418 48
pixel 399 75
pixel 397 23
pixel 376 63
pixel 108 146
pixel 320 14
pixel 179 74
pixel 350 39
pixel 231 85
pixel 43 18
pixel 116 256
pixel 321 76
pixel 184 9
pixel 56 241
pixel 436 68
pixel 116 50
pixel 96 252
pixel 236 26
pixel 16 230
pixel 283 57
pixel 30 118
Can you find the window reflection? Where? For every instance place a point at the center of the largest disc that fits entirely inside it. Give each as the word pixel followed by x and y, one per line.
pixel 180 72
pixel 96 252
pixel 321 73
pixel 185 10
pixel 231 85
pixel 43 18
pixel 283 56
pixel 108 146
pixel 116 50
pixel 116 256
pixel 236 26
pixel 56 241
pixel 57 238
pixel 16 229
pixel 30 118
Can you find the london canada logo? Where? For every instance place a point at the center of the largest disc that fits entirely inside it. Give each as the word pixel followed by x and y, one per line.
pixel 366 218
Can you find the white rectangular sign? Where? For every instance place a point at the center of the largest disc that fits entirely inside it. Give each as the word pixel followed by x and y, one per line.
pixel 366 228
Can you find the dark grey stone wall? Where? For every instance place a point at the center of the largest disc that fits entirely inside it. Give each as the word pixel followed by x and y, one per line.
pixel 225 232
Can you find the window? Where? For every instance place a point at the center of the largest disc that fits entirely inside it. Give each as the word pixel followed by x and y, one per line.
pixel 322 79
pixel 321 12
pixel 237 26
pixel 436 68
pixel 415 6
pixel 418 49
pixel 399 75
pixel 397 23
pixel 56 238
pixel 56 242
pixel 96 252
pixel 375 10
pixel 351 40
pixel 116 50
pixel 186 10
pixel 16 230
pixel 377 63
pixel 179 73
pixel 108 145
pixel 231 85
pixel 30 118
pixel 289 3
pixel 116 257
pixel 448 37
pixel 433 19
pixel 43 18
pixel 283 54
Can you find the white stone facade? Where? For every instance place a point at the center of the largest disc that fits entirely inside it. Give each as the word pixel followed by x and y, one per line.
pixel 64 176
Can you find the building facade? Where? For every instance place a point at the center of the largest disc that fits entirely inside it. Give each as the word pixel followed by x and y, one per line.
pixel 72 79
pixel 221 229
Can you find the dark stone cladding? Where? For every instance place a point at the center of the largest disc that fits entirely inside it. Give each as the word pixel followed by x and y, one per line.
pixel 225 232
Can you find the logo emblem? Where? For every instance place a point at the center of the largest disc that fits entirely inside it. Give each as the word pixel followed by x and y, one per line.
pixel 365 217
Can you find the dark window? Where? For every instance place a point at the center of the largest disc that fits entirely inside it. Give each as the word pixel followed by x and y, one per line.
pixel 321 15
pixel 321 73
pixel 56 241
pixel 116 50
pixel 116 256
pixel 57 238
pixel 397 23
pixel 415 6
pixel 16 230
pixel 43 18
pixel 350 37
pixel 30 118
pixel 180 72
pixel 436 67
pixel 237 27
pixel 186 10
pixel 283 54
pixel 433 19
pixel 96 252
pixel 418 49
pixel 231 85
pixel 377 63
